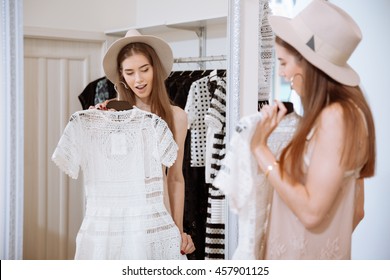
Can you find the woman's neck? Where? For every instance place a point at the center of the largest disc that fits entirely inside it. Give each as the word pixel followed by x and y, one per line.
pixel 141 104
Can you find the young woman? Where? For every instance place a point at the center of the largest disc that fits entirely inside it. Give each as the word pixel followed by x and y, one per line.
pixel 317 181
pixel 138 66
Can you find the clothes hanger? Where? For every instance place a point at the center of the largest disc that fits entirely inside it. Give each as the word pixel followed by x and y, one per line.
pixel 118 105
pixel 289 106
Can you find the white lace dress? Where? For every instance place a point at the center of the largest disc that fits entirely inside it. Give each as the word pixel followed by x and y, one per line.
pixel 248 191
pixel 121 155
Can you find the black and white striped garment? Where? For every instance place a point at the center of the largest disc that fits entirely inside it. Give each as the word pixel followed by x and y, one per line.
pixel 215 120
pixel 215 224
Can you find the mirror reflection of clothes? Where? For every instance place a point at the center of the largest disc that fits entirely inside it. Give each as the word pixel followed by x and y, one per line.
pixel 198 102
pixel 121 155
pixel 215 120
pixel 96 92
pixel 196 204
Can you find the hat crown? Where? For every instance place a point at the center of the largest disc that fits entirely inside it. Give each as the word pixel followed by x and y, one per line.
pixel 132 33
pixel 330 28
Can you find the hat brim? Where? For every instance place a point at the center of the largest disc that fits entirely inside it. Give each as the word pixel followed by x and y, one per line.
pixel 163 50
pixel 282 28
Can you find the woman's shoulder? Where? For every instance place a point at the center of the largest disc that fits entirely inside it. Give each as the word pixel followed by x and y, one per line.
pixel 179 116
pixel 178 112
pixel 332 114
pixel 330 120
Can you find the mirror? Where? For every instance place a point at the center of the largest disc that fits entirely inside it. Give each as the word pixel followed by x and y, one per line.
pixel 61 60
pixel 49 230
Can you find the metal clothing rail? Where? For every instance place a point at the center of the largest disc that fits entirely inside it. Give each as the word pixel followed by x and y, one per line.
pixel 200 59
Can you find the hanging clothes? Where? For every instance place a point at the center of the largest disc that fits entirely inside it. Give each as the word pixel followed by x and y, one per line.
pixel 121 154
pixel 198 102
pixel 215 224
pixel 179 84
pixel 96 92
pixel 266 52
pixel 196 190
pixel 215 120
pixel 247 190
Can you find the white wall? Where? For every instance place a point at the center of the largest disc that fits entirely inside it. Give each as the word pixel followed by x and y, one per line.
pixel 103 15
pixel 153 12
pixel 84 15
pixel 371 59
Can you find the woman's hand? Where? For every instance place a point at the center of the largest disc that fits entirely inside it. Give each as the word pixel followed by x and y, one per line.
pixel 271 116
pixel 187 245
pixel 100 106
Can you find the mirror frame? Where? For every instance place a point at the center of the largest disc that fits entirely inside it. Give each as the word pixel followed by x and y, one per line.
pixel 232 108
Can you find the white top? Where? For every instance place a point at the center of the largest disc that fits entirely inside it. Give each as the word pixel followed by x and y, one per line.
pixel 121 156
pixel 247 190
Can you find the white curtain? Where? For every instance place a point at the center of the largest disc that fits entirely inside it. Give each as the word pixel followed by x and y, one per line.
pixel 11 129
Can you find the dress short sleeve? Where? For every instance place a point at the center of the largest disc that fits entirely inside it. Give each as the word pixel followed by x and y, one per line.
pixel 167 146
pixel 67 153
pixel 238 172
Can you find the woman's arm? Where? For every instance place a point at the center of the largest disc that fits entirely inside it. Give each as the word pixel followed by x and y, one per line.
pixel 175 176
pixel 312 201
pixel 175 180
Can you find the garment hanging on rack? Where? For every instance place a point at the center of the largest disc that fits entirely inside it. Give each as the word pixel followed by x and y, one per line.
pixel 248 191
pixel 198 102
pixel 261 103
pixel 216 141
pixel 196 189
pixel 266 51
pixel 195 205
pixel 179 83
pixel 215 120
pixel 96 92
pixel 121 155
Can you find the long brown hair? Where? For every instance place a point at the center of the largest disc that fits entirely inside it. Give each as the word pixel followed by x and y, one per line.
pixel 160 102
pixel 320 90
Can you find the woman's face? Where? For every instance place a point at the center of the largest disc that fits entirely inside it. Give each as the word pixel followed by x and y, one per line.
pixel 138 74
pixel 290 68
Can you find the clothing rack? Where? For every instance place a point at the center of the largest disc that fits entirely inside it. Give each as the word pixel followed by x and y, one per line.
pixel 200 60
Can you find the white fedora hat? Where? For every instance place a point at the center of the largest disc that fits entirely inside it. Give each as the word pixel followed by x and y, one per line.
pixel 325 35
pixel 163 50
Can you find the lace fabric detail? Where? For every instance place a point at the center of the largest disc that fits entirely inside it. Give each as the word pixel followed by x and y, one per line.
pixel 121 154
pixel 247 190
pixel 302 247
pixel 266 51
